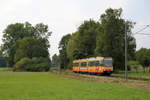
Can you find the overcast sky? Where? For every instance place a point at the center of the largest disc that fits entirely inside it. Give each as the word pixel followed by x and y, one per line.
pixel 64 16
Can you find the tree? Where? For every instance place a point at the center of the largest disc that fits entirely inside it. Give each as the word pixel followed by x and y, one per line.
pixel 30 47
pixel 2 62
pixel 110 41
pixel 63 51
pixel 104 38
pixel 87 38
pixel 83 42
pixel 18 31
pixel 143 57
pixel 72 47
pixel 55 61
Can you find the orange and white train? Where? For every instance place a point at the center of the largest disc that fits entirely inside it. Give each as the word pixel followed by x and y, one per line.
pixel 94 65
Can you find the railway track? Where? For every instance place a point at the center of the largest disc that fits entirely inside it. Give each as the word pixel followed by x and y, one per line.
pixel 115 76
pixel 102 76
pixel 132 78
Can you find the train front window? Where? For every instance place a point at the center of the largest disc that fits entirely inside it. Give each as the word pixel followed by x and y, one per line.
pixel 107 63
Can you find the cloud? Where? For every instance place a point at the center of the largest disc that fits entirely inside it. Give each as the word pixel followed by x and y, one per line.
pixel 7 6
pixel 62 16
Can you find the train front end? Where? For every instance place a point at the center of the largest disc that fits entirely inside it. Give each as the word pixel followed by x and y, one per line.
pixel 107 66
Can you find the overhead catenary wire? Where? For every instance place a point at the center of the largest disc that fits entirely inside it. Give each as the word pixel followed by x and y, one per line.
pixel 142 34
pixel 145 37
pixel 126 60
pixel 141 30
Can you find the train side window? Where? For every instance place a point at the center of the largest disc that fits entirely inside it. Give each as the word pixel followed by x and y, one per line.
pixel 75 64
pixel 91 63
pixel 83 64
pixel 102 63
pixel 98 63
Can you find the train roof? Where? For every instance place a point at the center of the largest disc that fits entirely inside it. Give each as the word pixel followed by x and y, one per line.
pixel 93 58
pixel 80 60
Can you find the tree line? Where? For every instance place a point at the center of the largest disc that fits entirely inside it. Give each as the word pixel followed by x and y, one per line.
pixel 106 38
pixel 25 47
pixel 99 38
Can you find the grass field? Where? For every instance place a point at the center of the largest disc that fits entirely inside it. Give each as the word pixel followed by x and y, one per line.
pixel 47 86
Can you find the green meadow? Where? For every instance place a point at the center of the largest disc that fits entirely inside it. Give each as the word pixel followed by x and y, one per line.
pixel 47 86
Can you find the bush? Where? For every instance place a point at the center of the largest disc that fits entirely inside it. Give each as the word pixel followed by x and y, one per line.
pixel 134 66
pixel 35 64
pixel 22 64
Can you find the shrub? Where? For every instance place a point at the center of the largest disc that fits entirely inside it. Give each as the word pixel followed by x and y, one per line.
pixel 39 67
pixel 22 64
pixel 35 64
